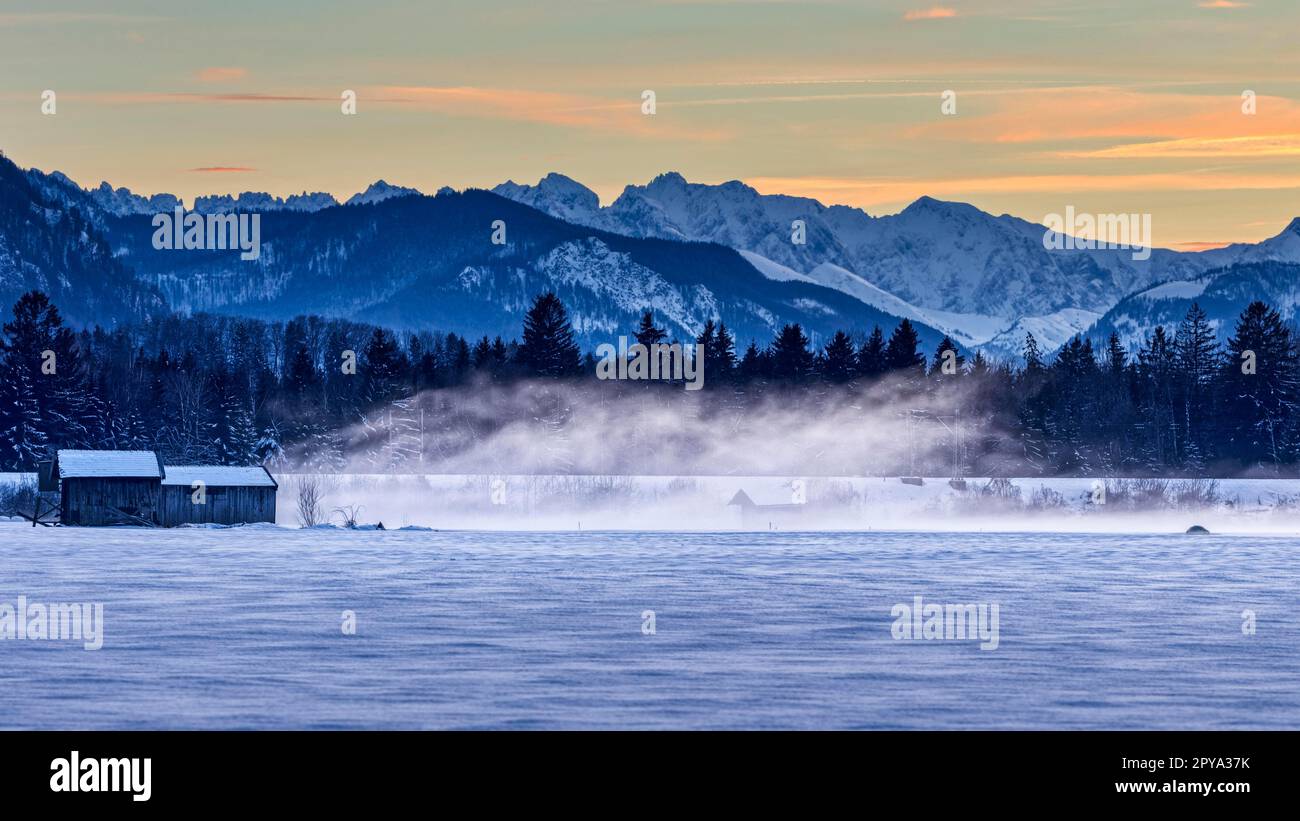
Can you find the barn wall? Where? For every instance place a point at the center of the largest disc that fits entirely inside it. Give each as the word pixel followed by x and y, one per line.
pixel 88 501
pixel 225 505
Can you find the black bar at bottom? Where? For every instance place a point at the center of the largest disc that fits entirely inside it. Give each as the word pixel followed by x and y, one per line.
pixel 337 770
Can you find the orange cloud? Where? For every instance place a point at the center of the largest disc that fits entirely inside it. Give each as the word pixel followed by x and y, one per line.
pixel 218 74
pixel 222 169
pixel 1192 245
pixel 1091 112
pixel 1222 4
pixel 1278 145
pixel 868 192
pixel 933 13
pixel 151 97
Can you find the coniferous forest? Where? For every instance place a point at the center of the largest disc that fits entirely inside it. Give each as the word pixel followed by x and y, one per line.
pixel 319 394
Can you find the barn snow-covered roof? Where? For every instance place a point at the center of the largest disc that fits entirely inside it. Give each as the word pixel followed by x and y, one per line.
pixel 217 476
pixel 108 464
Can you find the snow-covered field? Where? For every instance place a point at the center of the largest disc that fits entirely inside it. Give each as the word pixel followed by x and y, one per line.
pixel 684 503
pixel 509 502
pixel 242 628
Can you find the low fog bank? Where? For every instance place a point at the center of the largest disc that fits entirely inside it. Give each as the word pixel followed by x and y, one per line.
pixel 595 427
pixel 610 502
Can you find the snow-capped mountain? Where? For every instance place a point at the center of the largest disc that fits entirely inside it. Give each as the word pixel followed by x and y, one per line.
pixel 950 268
pixel 557 195
pixel 983 279
pixel 1049 331
pixel 261 202
pixel 417 262
pixel 379 191
pixel 121 201
pixel 1221 293
pixel 397 257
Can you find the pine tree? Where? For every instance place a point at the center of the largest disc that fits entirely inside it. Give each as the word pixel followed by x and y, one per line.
pixel 1260 380
pixel 706 346
pixel 902 354
pixel 723 364
pixel 941 358
pixel 548 348
pixel 384 368
pixel 23 441
pixel 482 354
pixel 459 358
pixel 1072 417
pixel 1196 354
pixel 302 380
pixel 1033 357
pixel 871 356
pixel 753 365
pixel 49 379
pixel 647 334
pixel 1116 416
pixel 840 362
pixel 1156 365
pixel 1116 356
pixel 1034 401
pixel 791 359
pixel 234 436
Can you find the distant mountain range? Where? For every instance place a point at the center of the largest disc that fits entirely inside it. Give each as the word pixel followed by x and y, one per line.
pixel 689 251
pixel 986 280
pixel 398 258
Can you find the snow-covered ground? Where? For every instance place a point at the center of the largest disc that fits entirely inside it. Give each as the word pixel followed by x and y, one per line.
pixel 244 628
pixel 683 503
pixel 505 502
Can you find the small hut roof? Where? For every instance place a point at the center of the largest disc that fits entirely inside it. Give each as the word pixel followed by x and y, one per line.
pixel 108 464
pixel 217 476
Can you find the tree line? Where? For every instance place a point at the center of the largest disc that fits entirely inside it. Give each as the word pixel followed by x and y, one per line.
pixel 328 394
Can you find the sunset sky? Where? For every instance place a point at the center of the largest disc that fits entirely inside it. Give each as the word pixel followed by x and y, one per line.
pixel 1111 107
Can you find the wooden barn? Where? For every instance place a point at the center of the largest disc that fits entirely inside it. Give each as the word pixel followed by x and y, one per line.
pixel 106 487
pixel 230 495
pixel 134 487
pixel 753 514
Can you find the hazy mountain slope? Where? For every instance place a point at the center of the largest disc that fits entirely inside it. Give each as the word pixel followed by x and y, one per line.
pixel 1221 293
pixel 415 261
pixel 49 241
pixel 983 278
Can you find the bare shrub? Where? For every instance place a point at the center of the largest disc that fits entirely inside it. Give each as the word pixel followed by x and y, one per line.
pixel 1045 498
pixel 837 493
pixel 349 514
pixel 1002 491
pixel 567 491
pixel 680 485
pixel 1137 494
pixel 309 502
pixel 1193 494
pixel 18 496
pixel 1282 502
pixel 998 495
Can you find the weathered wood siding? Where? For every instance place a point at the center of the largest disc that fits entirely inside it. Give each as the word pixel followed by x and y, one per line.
pixel 90 501
pixel 224 506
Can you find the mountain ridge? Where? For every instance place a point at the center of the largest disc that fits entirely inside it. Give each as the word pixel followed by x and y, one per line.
pixel 949 266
